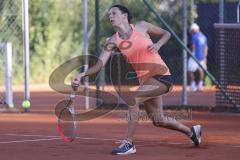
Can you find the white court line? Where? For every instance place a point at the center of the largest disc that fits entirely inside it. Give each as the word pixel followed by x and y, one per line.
pixel 49 138
pixel 236 146
pixel 171 143
pixel 27 135
pixel 30 140
pixel 101 139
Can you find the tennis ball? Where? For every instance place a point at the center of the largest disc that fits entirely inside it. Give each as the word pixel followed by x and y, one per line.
pixel 26 104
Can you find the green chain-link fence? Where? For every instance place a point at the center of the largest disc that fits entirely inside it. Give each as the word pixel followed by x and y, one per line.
pixel 11 32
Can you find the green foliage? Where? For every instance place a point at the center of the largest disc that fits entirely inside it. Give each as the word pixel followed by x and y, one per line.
pixel 56 31
pixel 56 34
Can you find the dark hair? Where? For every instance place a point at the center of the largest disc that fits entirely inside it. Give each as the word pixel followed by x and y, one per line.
pixel 123 9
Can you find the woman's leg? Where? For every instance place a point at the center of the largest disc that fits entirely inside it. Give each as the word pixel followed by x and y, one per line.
pixel 133 114
pixel 149 94
pixel 154 110
pixel 153 106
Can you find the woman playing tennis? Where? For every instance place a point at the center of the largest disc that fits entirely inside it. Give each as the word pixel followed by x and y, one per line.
pixel 153 83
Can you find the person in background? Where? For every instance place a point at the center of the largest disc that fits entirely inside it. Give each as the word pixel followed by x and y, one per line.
pixel 199 49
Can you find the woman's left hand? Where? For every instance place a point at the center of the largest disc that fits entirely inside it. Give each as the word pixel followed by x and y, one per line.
pixel 154 47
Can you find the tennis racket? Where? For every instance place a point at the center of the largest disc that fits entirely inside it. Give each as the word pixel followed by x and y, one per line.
pixel 67 124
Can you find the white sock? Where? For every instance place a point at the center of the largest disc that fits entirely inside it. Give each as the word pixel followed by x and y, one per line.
pixel 200 84
pixel 193 83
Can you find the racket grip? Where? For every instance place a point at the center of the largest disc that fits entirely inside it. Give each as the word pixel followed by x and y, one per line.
pixel 74 86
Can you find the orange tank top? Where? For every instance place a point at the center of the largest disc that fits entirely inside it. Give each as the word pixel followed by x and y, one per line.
pixel 145 63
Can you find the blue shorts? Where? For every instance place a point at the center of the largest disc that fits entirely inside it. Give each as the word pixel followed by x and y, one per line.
pixel 168 80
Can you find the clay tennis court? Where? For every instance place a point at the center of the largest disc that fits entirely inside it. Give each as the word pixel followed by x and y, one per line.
pixel 34 135
pixel 39 38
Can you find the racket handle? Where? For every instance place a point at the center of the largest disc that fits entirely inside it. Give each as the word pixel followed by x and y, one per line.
pixel 75 87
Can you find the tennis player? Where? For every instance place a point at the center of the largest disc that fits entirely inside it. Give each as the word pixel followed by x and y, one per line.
pixel 135 44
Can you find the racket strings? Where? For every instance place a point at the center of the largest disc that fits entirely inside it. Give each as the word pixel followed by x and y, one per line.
pixel 66 120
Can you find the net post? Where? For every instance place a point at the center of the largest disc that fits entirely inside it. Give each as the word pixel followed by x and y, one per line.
pixel 238 7
pixel 85 51
pixel 26 50
pixel 184 82
pixel 7 51
pixel 97 46
pixel 221 11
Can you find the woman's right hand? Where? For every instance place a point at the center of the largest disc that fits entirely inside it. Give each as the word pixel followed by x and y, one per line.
pixel 77 80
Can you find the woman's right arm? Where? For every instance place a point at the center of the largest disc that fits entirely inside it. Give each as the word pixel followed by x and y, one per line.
pixel 103 58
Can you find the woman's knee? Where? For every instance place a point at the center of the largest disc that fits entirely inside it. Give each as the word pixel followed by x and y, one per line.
pixel 133 108
pixel 162 121
pixel 159 123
